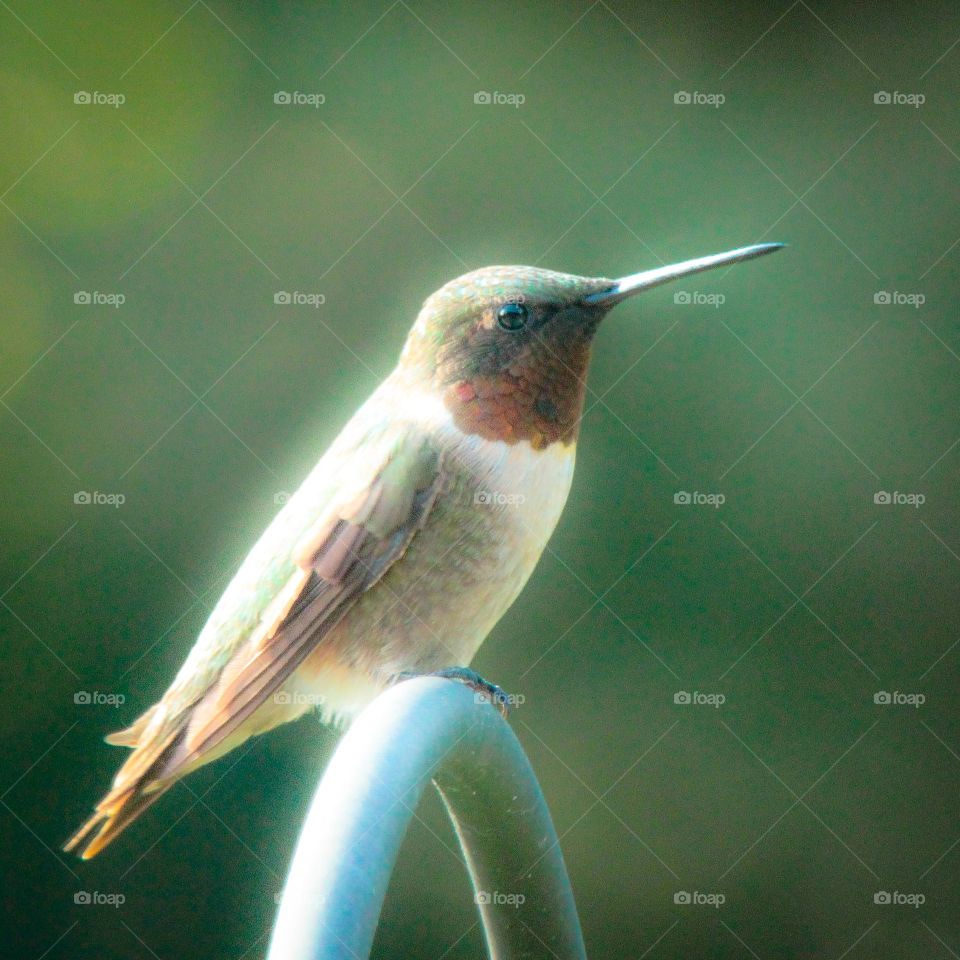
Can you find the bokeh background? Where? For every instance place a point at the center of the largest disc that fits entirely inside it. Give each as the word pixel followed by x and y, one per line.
pixel 782 384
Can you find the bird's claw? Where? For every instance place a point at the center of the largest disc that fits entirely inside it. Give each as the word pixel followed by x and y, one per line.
pixel 484 690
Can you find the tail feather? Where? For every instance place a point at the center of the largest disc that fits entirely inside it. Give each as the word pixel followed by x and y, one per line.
pixel 138 783
pixel 130 736
pixel 162 755
pixel 110 820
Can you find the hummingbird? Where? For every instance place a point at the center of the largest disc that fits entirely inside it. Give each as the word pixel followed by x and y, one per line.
pixel 411 537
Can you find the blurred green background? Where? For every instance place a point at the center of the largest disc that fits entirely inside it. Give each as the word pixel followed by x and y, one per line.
pixel 201 401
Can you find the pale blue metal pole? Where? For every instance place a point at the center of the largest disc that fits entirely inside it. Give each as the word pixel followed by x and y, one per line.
pixel 417 731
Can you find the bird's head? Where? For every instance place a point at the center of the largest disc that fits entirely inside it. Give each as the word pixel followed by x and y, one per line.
pixel 507 348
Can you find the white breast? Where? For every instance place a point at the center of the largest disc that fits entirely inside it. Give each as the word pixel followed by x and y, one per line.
pixel 532 485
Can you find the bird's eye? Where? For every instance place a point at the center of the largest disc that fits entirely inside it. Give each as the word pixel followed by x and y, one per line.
pixel 512 316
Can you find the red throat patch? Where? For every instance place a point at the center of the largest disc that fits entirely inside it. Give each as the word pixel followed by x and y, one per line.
pixel 538 399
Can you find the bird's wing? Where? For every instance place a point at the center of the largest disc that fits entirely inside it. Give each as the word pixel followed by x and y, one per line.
pixel 349 545
pixel 347 550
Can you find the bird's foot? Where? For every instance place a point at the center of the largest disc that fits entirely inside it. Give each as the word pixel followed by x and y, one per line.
pixel 483 689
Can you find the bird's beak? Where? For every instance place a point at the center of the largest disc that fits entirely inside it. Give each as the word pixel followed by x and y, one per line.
pixel 637 282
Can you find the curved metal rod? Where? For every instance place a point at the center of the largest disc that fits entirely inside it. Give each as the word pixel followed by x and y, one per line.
pixel 417 731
